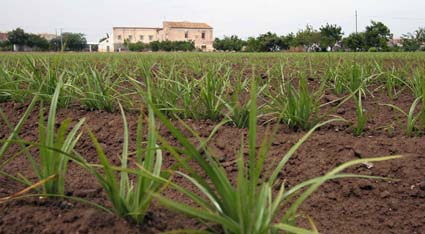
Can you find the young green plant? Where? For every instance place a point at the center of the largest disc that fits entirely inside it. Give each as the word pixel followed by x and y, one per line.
pixel 361 118
pixel 297 107
pixel 51 161
pixel 247 205
pixel 53 146
pixel 131 198
pixel 412 118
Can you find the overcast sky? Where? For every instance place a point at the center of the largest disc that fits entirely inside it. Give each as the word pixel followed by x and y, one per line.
pixel 244 18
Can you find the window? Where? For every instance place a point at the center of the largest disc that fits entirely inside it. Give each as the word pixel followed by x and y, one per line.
pixel 203 46
pixel 186 34
pixel 203 35
pixel 141 37
pixel 119 37
pixel 150 38
pixel 130 37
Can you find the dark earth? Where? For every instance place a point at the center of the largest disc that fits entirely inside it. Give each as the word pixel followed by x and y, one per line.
pixel 340 206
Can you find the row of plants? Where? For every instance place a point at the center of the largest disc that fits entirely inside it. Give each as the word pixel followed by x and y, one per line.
pixel 247 205
pixel 290 92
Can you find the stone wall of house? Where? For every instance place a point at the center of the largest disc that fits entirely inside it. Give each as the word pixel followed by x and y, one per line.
pixel 203 38
pixel 133 35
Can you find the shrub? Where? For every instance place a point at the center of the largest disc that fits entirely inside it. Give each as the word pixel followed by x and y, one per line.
pixel 372 49
pixel 138 46
pixel 6 46
pixel 171 46
pixel 232 43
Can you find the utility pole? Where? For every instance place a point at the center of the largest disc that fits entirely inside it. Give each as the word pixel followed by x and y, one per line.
pixel 56 42
pixel 61 39
pixel 356 22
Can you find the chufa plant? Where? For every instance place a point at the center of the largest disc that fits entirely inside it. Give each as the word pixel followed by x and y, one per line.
pixel 131 198
pixel 54 146
pixel 247 205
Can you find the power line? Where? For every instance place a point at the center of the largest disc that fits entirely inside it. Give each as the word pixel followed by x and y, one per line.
pixel 398 18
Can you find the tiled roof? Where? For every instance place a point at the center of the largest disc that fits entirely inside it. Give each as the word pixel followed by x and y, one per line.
pixel 186 24
pixel 135 28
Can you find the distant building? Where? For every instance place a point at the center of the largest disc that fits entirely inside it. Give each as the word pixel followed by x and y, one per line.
pixel 395 42
pixel 200 33
pixel 48 36
pixel 3 36
pixel 106 45
pixel 133 35
pixel 92 46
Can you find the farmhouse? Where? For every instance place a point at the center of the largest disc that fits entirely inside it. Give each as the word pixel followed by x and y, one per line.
pixel 200 33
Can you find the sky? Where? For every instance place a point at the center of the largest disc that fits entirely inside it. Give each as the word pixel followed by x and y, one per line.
pixel 244 18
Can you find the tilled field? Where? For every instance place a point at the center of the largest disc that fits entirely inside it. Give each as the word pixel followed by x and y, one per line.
pixel 379 100
pixel 340 206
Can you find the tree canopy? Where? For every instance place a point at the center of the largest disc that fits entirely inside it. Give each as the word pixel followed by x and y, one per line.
pixel 307 37
pixel 330 34
pixel 232 43
pixel 18 37
pixel 269 42
pixel 413 41
pixel 355 42
pixel 377 35
pixel 70 41
pixel 21 38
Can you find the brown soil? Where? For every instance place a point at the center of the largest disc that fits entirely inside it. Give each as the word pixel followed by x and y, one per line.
pixel 342 206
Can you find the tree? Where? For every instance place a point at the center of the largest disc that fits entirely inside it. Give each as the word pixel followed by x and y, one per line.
pixel 355 42
pixel 138 46
pixel 410 43
pixel 330 34
pixel 288 41
pixel 413 41
pixel 18 37
pixel 377 35
pixel 37 42
pixel 267 42
pixel 307 38
pixel 232 43
pixel 184 46
pixel 55 44
pixel 420 35
pixel 74 41
pixel 270 42
pixel 154 45
pixel 6 46
pixel 21 38
pixel 71 42
pixel 252 45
